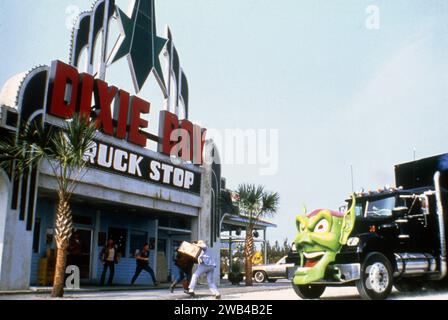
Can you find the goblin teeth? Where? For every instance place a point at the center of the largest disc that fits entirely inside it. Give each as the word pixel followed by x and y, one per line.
pixel 312 255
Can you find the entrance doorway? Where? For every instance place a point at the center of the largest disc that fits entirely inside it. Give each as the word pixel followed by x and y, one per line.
pixel 79 251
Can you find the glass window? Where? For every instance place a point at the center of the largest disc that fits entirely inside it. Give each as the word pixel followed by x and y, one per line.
pixel 36 236
pixel 77 219
pixel 358 210
pixel 176 245
pixel 137 240
pixel 164 222
pixel 161 246
pixel 102 239
pixel 177 223
pixel 120 237
pixel 381 208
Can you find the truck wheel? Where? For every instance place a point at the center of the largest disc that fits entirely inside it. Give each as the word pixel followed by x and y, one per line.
pixel 310 291
pixel 409 285
pixel 259 276
pixel 376 277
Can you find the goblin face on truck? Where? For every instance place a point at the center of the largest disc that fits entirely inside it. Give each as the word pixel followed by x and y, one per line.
pixel 390 237
pixel 321 236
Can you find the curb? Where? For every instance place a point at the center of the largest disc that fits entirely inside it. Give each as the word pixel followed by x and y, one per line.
pixel 83 290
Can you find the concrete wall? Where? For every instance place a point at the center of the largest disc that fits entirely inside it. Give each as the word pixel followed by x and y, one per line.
pixel 203 224
pixel 4 201
pixel 16 243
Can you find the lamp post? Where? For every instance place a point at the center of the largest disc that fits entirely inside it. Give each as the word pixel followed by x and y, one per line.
pixel 230 237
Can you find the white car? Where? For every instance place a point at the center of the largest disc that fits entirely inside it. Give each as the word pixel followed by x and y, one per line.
pixel 271 272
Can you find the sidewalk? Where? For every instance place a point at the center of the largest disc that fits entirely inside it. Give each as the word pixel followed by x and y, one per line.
pixel 98 288
pixel 161 292
pixel 89 288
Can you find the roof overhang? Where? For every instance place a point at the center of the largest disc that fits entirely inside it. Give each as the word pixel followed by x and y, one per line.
pixel 233 221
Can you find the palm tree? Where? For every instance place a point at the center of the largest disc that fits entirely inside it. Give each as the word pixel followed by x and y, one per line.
pixel 64 150
pixel 253 203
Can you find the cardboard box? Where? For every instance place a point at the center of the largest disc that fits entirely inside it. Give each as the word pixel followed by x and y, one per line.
pixel 190 249
pixel 46 271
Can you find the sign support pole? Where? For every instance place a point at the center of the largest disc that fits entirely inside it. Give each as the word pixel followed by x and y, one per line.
pixel 105 33
pixel 168 66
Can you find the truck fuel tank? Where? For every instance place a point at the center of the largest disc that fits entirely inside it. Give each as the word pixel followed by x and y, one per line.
pixel 410 264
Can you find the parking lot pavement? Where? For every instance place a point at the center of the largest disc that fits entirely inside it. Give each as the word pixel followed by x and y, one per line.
pixel 262 292
pixel 342 293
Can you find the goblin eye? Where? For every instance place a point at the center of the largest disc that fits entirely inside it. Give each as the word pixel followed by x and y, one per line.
pixel 322 226
pixel 302 227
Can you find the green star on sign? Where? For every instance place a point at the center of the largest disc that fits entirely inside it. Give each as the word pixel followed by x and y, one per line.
pixel 140 43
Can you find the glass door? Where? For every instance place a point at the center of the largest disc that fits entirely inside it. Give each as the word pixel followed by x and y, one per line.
pixel 80 251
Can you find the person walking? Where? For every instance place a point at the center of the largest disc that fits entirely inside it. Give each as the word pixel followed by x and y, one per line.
pixel 184 264
pixel 142 259
pixel 109 258
pixel 206 266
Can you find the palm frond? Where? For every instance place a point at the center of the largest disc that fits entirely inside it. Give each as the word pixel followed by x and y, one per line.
pixel 80 135
pixel 70 144
pixel 270 203
pixel 27 148
pixel 9 152
pixel 64 148
pixel 254 202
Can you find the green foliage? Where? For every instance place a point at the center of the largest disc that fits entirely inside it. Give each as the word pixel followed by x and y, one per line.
pixel 275 252
pixel 226 204
pixel 63 148
pixel 253 202
pixel 236 267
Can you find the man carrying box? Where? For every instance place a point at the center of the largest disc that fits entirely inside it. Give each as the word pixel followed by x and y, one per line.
pixel 206 266
pixel 185 264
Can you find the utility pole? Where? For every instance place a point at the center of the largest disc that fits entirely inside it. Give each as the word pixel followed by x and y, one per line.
pixel 352 178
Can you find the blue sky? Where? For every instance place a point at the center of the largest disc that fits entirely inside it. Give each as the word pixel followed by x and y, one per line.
pixel 338 93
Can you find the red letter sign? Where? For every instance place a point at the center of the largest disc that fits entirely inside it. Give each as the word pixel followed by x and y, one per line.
pixel 139 107
pixel 63 90
pixel 122 114
pixel 167 123
pixel 103 99
pixel 85 97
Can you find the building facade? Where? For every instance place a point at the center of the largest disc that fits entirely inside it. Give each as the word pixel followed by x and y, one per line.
pixel 129 193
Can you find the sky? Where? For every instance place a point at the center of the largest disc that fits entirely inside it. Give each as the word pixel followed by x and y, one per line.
pixel 339 90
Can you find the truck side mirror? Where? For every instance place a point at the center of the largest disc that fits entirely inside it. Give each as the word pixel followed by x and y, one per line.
pixel 399 212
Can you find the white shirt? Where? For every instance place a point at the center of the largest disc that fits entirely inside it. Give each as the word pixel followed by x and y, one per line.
pixel 111 255
pixel 205 259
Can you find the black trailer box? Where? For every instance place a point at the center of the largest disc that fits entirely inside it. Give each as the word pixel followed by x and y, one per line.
pixel 420 173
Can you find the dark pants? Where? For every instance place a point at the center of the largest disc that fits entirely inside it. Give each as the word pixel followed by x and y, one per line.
pixel 111 266
pixel 183 275
pixel 139 269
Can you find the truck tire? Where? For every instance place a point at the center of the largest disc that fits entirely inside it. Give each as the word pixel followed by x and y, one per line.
pixel 409 285
pixel 310 291
pixel 260 276
pixel 376 277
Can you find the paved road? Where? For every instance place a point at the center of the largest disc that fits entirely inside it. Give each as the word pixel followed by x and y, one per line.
pixel 342 293
pixel 278 291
